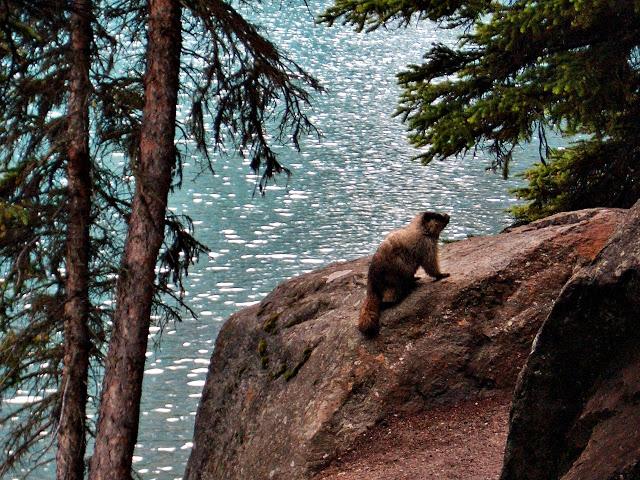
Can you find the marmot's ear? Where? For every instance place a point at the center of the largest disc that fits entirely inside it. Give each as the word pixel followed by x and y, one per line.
pixel 427 224
pixel 427 217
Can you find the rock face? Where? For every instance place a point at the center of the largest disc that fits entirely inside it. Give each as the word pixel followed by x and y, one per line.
pixel 292 383
pixel 576 409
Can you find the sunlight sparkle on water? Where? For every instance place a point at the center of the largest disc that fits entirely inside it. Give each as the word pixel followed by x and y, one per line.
pixel 347 189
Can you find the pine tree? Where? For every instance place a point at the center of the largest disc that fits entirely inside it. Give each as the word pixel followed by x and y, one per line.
pixel 77 343
pixel 32 231
pixel 249 90
pixel 122 388
pixel 518 71
pixel 242 100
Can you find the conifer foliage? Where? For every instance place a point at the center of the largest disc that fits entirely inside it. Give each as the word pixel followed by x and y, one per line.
pixel 60 96
pixel 519 70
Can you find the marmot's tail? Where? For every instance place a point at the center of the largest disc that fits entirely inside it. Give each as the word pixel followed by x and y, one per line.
pixel 369 321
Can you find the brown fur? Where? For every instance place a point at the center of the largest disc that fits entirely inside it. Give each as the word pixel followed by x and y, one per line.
pixel 393 266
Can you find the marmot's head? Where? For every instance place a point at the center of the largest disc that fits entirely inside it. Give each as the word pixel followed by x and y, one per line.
pixel 433 223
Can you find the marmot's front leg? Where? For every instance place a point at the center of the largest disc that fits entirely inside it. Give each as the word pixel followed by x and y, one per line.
pixel 432 268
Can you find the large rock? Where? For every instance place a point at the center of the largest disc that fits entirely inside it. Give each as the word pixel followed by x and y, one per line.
pixel 576 410
pixel 292 383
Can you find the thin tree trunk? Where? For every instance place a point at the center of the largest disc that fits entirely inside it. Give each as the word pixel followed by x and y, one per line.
pixel 71 430
pixel 120 403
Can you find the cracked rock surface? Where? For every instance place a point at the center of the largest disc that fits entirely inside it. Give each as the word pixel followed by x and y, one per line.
pixel 576 408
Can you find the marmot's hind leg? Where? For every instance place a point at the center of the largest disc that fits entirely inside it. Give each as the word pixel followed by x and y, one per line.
pixel 399 289
pixel 391 295
pixel 408 285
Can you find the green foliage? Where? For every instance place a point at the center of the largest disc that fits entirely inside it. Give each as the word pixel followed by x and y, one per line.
pixel 588 173
pixel 372 14
pixel 518 70
pixel 12 217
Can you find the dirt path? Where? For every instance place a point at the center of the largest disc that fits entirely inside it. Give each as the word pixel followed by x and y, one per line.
pixel 461 442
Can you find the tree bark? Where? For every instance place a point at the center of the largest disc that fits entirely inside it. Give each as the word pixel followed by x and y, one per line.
pixel 120 403
pixel 72 428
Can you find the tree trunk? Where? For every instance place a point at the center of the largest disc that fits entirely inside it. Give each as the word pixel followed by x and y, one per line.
pixel 120 403
pixel 72 431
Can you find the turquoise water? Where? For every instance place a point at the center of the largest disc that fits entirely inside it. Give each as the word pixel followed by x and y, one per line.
pixel 347 191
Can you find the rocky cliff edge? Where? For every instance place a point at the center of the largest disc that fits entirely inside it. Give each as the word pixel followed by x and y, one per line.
pixel 293 385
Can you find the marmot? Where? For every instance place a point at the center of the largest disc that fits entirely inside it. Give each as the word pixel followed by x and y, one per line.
pixel 393 266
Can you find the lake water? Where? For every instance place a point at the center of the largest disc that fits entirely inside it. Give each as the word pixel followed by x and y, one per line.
pixel 347 191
